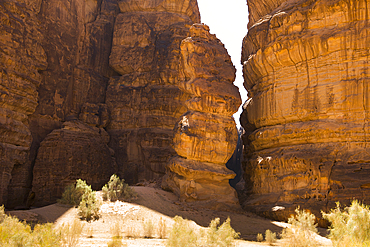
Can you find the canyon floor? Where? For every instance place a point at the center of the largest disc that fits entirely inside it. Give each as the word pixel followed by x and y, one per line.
pixel 154 205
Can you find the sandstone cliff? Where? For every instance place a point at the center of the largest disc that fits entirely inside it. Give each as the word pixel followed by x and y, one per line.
pixel 145 101
pixel 21 59
pixel 306 68
pixel 92 87
pixel 205 137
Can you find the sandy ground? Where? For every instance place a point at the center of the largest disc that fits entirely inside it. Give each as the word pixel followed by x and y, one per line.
pixel 152 204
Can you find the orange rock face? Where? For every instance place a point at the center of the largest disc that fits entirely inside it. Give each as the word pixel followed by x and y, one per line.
pixel 145 102
pixel 205 137
pixel 21 59
pixel 306 68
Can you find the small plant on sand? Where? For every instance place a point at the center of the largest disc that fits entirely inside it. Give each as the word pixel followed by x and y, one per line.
pixel 70 233
pixel 117 189
pixel 162 229
pixel 270 237
pixel 259 237
pixel 302 231
pixel 223 235
pixel 148 228
pixel 89 206
pixel 351 226
pixel 184 234
pixel 73 193
pixel 82 195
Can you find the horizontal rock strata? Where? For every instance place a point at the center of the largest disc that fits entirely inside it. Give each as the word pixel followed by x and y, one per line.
pixel 306 69
pixel 145 101
pixel 205 137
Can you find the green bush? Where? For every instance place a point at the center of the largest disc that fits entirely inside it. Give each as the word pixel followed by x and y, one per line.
pixel 302 230
pixel 72 194
pixel 82 195
pixel 183 234
pixel 89 206
pixel 117 189
pixel 351 226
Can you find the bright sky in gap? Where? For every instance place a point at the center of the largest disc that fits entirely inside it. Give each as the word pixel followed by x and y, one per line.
pixel 228 20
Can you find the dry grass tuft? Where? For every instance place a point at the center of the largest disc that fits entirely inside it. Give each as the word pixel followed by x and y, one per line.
pixel 302 231
pixel 162 229
pixel 70 233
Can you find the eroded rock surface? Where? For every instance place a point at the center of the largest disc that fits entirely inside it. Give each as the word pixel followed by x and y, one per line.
pixel 21 59
pixel 75 151
pixel 145 101
pixel 306 68
pixel 205 137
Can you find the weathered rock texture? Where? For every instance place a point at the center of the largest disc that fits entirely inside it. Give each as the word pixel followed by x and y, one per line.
pixel 145 101
pixel 91 87
pixel 77 41
pixel 206 136
pixel 75 151
pixel 306 68
pixel 21 59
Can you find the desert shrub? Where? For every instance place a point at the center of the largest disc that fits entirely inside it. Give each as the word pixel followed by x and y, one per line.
pixel 148 227
pixel 351 226
pixel 259 237
pixel 183 234
pixel 270 237
pixel 15 233
pixel 117 189
pixel 222 235
pixel 72 194
pixel 162 229
pixel 302 230
pixel 89 206
pixel 70 233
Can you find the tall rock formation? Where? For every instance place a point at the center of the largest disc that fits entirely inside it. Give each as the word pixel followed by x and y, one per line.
pixel 306 68
pixel 21 59
pixel 92 87
pixel 67 126
pixel 206 136
pixel 145 101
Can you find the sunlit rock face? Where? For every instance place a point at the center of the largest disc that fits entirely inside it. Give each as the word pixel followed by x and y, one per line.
pixel 21 59
pixel 145 101
pixel 306 68
pixel 205 137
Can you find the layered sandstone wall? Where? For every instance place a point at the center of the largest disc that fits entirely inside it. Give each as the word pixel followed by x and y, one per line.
pixel 145 101
pixel 91 87
pixel 306 68
pixel 206 136
pixel 21 59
